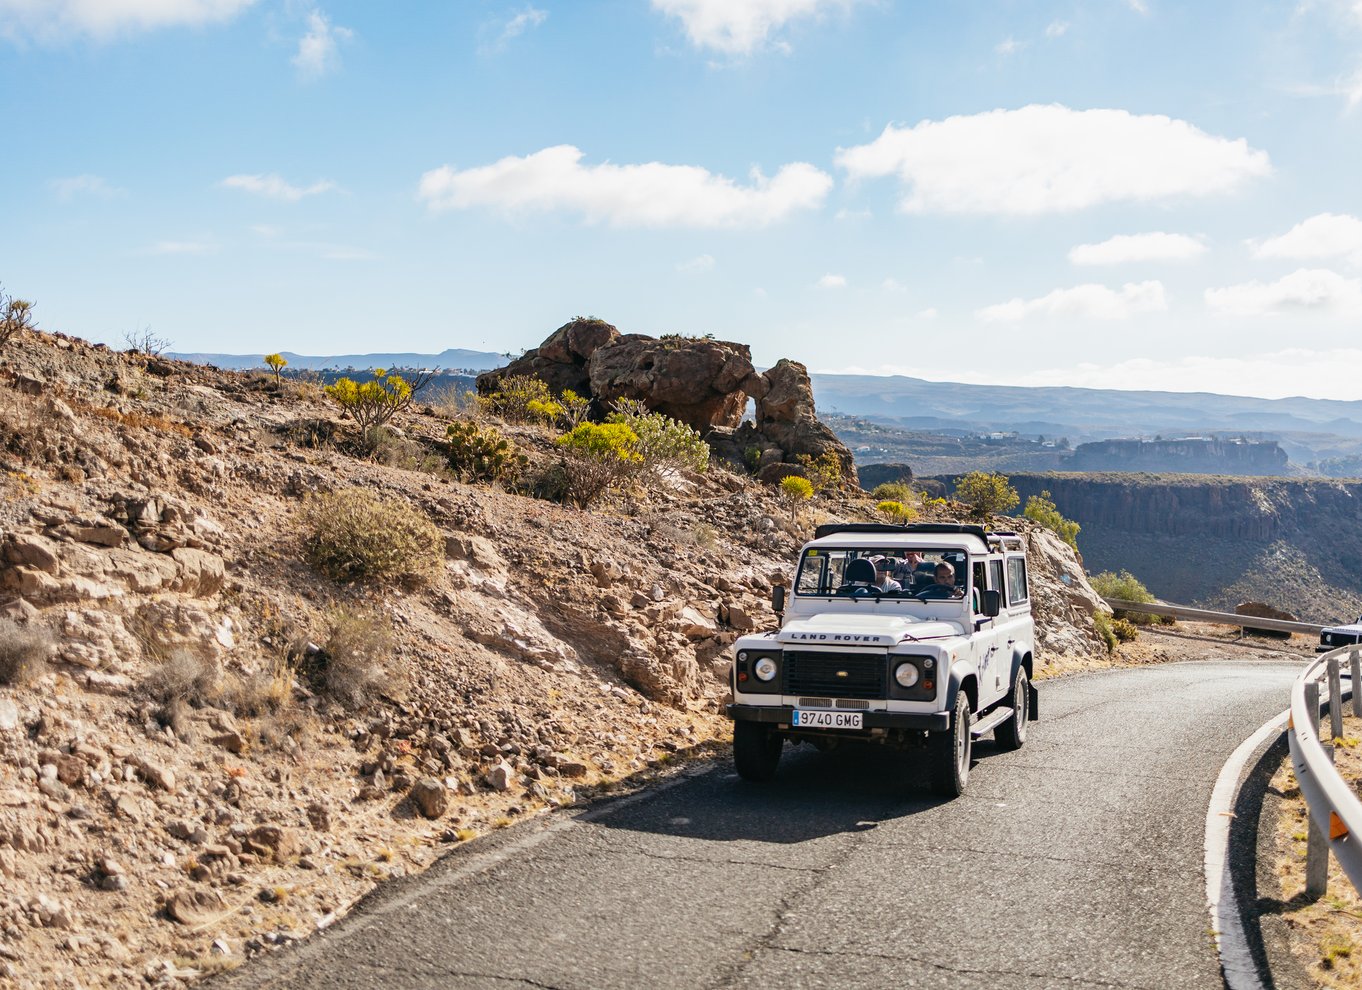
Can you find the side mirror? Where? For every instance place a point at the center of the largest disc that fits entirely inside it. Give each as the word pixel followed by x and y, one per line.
pixel 778 599
pixel 992 603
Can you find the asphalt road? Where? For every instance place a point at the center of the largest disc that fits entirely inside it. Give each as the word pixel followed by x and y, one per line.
pixel 1075 862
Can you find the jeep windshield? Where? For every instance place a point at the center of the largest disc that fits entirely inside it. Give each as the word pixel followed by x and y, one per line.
pixel 885 572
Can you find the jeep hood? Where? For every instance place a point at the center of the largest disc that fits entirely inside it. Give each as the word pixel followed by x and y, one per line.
pixel 862 629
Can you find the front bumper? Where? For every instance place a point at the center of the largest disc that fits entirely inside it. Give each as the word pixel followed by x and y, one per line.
pixel 929 721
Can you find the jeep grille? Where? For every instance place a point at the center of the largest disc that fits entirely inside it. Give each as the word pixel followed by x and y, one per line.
pixel 840 675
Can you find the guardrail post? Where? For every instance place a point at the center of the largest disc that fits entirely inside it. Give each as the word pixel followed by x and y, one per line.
pixel 1355 664
pixel 1316 845
pixel 1335 702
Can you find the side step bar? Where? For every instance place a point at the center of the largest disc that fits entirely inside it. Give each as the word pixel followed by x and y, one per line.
pixel 990 721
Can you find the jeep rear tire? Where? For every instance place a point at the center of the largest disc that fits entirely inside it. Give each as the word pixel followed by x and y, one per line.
pixel 949 752
pixel 1011 734
pixel 756 750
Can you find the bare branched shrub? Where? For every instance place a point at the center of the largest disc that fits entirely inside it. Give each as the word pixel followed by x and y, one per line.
pixel 145 342
pixel 354 664
pixel 23 652
pixel 16 316
pixel 354 535
pixel 182 677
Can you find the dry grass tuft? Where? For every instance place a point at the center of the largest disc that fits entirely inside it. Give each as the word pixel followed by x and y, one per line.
pixel 23 652
pixel 355 535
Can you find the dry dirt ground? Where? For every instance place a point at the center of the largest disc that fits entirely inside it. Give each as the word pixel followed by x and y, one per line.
pixel 183 781
pixel 1324 935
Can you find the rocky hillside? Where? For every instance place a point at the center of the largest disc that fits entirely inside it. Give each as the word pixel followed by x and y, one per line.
pixel 1218 541
pixel 208 748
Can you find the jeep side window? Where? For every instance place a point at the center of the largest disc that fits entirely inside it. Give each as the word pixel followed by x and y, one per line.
pixel 995 577
pixel 1016 580
pixel 813 575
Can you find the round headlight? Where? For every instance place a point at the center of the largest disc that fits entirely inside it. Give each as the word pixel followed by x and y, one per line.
pixel 765 669
pixel 906 674
pixel 742 655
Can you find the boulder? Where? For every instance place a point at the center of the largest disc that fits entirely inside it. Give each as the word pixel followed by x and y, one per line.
pixel 698 381
pixel 200 573
pixel 195 906
pixel 560 361
pixel 431 797
pixel 1262 610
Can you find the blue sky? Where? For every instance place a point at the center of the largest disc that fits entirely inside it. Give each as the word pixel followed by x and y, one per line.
pixel 1112 193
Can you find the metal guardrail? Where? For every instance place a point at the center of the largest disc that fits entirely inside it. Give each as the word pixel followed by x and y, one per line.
pixel 1335 809
pixel 1222 618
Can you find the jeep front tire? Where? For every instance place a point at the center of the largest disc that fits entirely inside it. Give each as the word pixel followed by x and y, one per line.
pixel 948 753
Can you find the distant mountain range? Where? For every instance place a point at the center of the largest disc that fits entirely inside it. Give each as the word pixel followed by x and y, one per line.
pixel 453 358
pixel 914 403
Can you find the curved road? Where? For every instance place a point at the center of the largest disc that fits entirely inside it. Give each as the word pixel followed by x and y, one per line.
pixel 1075 862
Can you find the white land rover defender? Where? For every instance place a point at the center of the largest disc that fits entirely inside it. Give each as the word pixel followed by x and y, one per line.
pixel 910 636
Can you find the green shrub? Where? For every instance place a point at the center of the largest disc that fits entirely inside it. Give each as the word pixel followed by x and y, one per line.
pixel 986 493
pixel 1125 586
pixel 355 535
pixel 751 458
pixel 894 491
pixel 514 395
pixel 575 408
pixel 824 472
pixel 794 492
pixel 596 456
pixel 372 403
pixel 1124 630
pixel 23 652
pixel 895 512
pixel 544 410
pixel 481 453
pixel 1042 509
pixel 665 444
pixel 1102 623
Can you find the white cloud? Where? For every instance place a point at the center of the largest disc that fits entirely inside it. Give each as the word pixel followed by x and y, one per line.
pixel 695 266
pixel 54 20
pixel 1056 29
pixel 648 195
pixel 1043 159
pixel 831 281
pixel 526 20
pixel 1325 235
pixel 319 49
pixel 1139 6
pixel 67 189
pixel 893 285
pixel 1009 46
pixel 1306 290
pixel 1125 248
pixel 739 27
pixel 273 187
pixel 927 314
pixel 1089 302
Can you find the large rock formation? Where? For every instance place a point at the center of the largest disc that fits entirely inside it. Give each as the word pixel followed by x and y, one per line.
pixel 703 382
pixel 560 361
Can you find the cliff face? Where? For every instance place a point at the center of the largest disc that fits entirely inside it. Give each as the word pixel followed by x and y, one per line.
pixel 1295 543
pixel 1197 455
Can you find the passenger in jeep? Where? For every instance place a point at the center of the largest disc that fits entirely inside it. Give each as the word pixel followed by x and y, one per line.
pixel 944 585
pixel 883 567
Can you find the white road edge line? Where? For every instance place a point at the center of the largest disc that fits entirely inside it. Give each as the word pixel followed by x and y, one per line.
pixel 1236 960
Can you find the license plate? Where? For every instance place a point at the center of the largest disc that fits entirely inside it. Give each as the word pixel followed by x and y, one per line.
pixel 827 720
